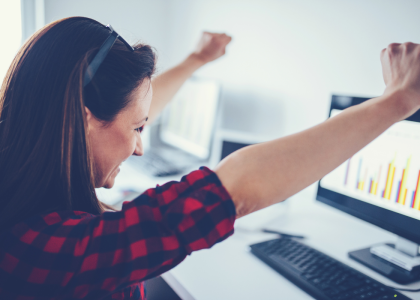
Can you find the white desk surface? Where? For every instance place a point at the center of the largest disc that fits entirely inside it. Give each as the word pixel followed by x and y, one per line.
pixel 230 271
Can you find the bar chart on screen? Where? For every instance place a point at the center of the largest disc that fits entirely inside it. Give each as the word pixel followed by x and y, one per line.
pixel 385 173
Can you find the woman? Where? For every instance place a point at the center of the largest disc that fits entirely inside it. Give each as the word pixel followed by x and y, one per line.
pixel 65 129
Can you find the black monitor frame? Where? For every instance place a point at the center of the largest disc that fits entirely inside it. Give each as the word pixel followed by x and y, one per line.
pixel 404 226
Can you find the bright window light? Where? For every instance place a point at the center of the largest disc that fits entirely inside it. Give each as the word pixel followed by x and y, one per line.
pixel 10 22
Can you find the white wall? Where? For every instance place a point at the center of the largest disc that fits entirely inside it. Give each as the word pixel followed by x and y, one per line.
pixel 287 56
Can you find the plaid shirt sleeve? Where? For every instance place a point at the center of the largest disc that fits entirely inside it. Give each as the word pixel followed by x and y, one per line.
pixel 75 255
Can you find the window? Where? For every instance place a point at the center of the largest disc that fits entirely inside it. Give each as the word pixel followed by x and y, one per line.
pixel 11 25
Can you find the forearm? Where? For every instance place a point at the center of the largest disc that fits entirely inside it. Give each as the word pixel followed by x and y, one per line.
pixel 264 174
pixel 168 83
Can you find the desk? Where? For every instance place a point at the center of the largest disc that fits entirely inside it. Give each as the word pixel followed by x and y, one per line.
pixel 230 271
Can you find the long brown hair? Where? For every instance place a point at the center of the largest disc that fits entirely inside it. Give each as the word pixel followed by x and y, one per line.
pixel 45 161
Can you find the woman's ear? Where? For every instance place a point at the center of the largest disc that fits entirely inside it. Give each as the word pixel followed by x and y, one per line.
pixel 89 118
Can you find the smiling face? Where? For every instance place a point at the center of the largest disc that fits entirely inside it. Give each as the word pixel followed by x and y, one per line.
pixel 113 143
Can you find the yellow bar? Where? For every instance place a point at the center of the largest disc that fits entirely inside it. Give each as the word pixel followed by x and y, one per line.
pixel 388 180
pixel 362 185
pixel 364 180
pixel 372 187
pixel 404 182
pixel 392 183
pixel 405 196
pixel 375 190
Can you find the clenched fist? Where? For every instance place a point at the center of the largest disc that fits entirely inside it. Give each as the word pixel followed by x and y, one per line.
pixel 211 46
pixel 401 72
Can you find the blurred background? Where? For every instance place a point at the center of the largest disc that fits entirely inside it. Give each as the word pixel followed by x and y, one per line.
pixel 285 61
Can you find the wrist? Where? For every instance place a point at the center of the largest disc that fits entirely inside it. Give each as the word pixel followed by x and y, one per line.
pixel 194 61
pixel 399 103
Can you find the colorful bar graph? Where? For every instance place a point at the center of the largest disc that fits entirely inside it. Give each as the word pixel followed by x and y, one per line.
pixel 394 181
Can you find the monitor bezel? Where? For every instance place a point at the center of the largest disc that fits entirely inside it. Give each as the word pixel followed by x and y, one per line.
pixel 399 224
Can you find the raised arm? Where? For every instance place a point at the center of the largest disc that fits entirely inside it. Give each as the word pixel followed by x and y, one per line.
pixel 260 175
pixel 210 47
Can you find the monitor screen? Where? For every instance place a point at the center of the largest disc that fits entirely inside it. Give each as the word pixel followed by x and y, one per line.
pixel 381 182
pixel 188 122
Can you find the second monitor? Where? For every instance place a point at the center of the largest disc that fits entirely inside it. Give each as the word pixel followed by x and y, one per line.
pixel 381 185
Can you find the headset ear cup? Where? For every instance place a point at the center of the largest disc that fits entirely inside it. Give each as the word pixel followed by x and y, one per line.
pixel 102 53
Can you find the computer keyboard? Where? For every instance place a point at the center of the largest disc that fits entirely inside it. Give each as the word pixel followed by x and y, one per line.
pixel 155 165
pixel 318 274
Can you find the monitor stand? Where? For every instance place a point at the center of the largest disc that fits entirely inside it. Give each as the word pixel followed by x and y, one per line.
pixel 399 262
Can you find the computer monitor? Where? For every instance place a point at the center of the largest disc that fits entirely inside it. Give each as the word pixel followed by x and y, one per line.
pixel 189 120
pixel 381 185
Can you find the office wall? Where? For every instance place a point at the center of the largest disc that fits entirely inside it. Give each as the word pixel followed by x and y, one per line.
pixel 287 56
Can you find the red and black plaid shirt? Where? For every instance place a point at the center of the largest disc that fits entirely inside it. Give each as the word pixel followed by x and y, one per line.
pixel 76 255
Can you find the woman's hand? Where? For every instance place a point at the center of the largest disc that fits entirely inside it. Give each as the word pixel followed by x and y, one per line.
pixel 211 46
pixel 401 72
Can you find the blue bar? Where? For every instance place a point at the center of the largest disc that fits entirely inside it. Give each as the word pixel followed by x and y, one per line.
pixel 398 194
pixel 358 173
